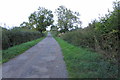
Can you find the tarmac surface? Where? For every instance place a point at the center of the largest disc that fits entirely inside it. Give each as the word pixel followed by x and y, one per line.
pixel 44 60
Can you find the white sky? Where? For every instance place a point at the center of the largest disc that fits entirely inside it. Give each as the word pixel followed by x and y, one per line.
pixel 14 12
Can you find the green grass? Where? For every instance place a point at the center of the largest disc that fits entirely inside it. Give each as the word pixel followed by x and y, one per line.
pixel 18 49
pixel 82 63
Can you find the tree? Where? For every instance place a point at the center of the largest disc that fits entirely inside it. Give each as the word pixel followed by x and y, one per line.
pixel 110 23
pixel 41 19
pixel 26 25
pixel 53 28
pixel 67 19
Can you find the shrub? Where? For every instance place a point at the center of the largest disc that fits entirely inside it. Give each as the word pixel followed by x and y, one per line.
pixel 100 36
pixel 80 37
pixel 17 36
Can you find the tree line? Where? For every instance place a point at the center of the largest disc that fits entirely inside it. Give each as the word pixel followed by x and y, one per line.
pixel 101 35
pixel 27 31
pixel 42 18
pixel 37 23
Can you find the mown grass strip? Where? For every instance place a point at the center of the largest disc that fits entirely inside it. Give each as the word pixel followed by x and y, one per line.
pixel 18 49
pixel 82 63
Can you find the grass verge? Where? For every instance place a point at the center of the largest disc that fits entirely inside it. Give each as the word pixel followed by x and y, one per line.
pixel 82 63
pixel 18 49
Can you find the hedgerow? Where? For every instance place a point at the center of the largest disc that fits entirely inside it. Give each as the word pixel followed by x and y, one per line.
pixel 100 35
pixel 17 36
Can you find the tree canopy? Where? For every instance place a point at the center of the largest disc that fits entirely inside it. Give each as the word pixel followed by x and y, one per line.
pixel 41 19
pixel 67 19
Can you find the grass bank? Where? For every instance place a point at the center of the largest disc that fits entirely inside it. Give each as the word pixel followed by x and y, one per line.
pixel 82 63
pixel 18 49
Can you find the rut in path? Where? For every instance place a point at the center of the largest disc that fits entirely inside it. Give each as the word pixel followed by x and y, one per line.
pixel 43 60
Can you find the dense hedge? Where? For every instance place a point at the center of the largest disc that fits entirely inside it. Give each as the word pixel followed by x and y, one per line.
pixel 101 36
pixel 106 44
pixel 81 37
pixel 17 36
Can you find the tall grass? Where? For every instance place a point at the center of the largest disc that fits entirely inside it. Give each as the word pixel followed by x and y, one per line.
pixel 83 63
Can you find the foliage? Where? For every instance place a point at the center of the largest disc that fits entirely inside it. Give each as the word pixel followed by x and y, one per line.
pixel 17 36
pixel 54 28
pixel 83 63
pixel 80 37
pixel 67 19
pixel 18 49
pixel 100 36
pixel 26 25
pixel 0 38
pixel 41 19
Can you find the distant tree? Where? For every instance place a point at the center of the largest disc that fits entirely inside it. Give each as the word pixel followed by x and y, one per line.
pixel 67 19
pixel 26 25
pixel 41 19
pixel 2 28
pixel 54 28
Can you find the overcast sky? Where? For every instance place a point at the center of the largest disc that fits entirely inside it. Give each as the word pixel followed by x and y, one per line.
pixel 14 12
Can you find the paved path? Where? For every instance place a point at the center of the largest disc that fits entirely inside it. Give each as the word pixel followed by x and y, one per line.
pixel 43 60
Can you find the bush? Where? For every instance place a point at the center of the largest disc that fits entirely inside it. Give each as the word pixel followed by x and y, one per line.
pixel 18 36
pixel 83 63
pixel 106 44
pixel 100 36
pixel 80 37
